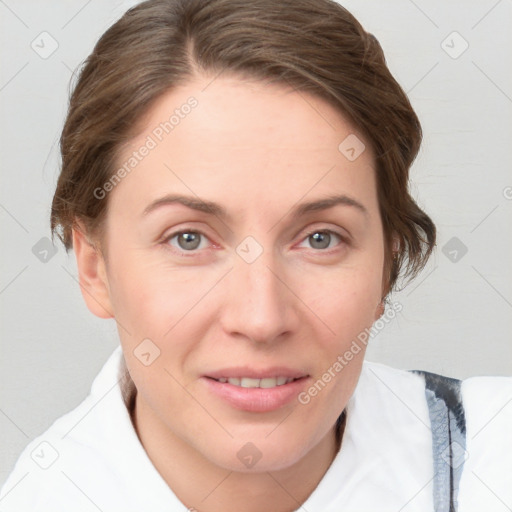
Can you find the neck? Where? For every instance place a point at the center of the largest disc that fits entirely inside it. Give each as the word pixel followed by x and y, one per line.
pixel 205 487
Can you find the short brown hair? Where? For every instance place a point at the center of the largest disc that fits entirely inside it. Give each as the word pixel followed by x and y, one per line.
pixel 315 46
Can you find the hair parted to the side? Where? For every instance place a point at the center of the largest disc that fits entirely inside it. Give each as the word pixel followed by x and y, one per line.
pixel 315 46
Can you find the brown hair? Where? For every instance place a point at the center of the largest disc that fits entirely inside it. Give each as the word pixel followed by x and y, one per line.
pixel 315 46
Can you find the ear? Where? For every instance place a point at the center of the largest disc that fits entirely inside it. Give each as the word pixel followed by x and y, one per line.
pixel 92 275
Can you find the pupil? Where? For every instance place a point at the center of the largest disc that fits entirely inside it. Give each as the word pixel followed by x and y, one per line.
pixel 320 240
pixel 189 240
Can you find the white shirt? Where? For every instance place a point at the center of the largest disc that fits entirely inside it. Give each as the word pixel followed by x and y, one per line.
pixel 91 459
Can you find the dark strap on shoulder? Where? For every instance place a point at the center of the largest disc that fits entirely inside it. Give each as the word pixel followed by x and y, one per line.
pixel 448 424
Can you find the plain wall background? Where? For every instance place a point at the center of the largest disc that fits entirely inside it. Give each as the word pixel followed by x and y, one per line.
pixel 456 316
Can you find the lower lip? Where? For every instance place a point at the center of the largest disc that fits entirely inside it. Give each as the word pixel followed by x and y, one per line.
pixel 256 399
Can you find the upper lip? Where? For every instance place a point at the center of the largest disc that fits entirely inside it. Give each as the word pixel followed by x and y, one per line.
pixel 253 373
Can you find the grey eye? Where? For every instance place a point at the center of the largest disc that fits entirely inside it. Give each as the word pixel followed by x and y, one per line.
pixel 188 241
pixel 320 240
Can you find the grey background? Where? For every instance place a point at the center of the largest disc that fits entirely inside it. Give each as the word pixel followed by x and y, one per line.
pixel 456 316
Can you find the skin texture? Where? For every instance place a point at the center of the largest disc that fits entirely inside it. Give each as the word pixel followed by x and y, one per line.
pixel 259 151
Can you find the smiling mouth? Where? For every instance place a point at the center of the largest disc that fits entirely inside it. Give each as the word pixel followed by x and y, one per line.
pixel 248 382
pixel 266 392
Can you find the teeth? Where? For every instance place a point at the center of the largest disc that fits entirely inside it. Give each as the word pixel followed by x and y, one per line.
pixel 247 382
pixel 269 382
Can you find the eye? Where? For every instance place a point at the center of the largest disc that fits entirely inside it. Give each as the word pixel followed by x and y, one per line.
pixel 322 239
pixel 187 240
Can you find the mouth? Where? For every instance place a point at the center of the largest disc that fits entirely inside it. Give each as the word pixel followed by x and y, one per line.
pixel 258 393
pixel 248 382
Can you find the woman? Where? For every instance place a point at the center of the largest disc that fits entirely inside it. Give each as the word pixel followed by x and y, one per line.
pixel 234 186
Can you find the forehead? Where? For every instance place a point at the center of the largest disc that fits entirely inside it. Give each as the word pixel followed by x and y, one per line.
pixel 234 140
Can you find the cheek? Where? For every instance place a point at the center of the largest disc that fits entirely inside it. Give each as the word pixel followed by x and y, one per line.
pixel 164 305
pixel 141 301
pixel 149 296
pixel 158 328
pixel 346 299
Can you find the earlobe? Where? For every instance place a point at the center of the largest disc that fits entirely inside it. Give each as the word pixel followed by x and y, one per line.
pixel 92 275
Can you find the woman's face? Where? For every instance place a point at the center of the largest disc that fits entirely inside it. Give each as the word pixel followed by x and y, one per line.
pixel 244 244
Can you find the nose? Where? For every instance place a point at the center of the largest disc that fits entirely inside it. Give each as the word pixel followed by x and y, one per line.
pixel 258 305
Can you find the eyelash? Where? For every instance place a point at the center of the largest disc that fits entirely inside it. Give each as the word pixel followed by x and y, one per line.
pixel 331 232
pixel 343 240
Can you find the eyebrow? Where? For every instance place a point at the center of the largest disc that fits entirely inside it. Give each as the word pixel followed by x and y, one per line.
pixel 325 204
pixel 217 210
pixel 190 202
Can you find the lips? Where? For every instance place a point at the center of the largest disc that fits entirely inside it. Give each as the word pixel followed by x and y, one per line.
pixel 247 382
pixel 256 390
pixel 252 373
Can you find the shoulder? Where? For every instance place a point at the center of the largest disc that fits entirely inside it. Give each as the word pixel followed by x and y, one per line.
pixel 89 459
pixel 392 398
pixel 57 466
pixel 488 394
pixel 488 407
pixel 386 380
pixel 482 397
pixel 488 465
pixel 479 442
pixel 481 406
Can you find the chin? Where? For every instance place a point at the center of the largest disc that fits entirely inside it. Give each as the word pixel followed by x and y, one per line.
pixel 260 452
